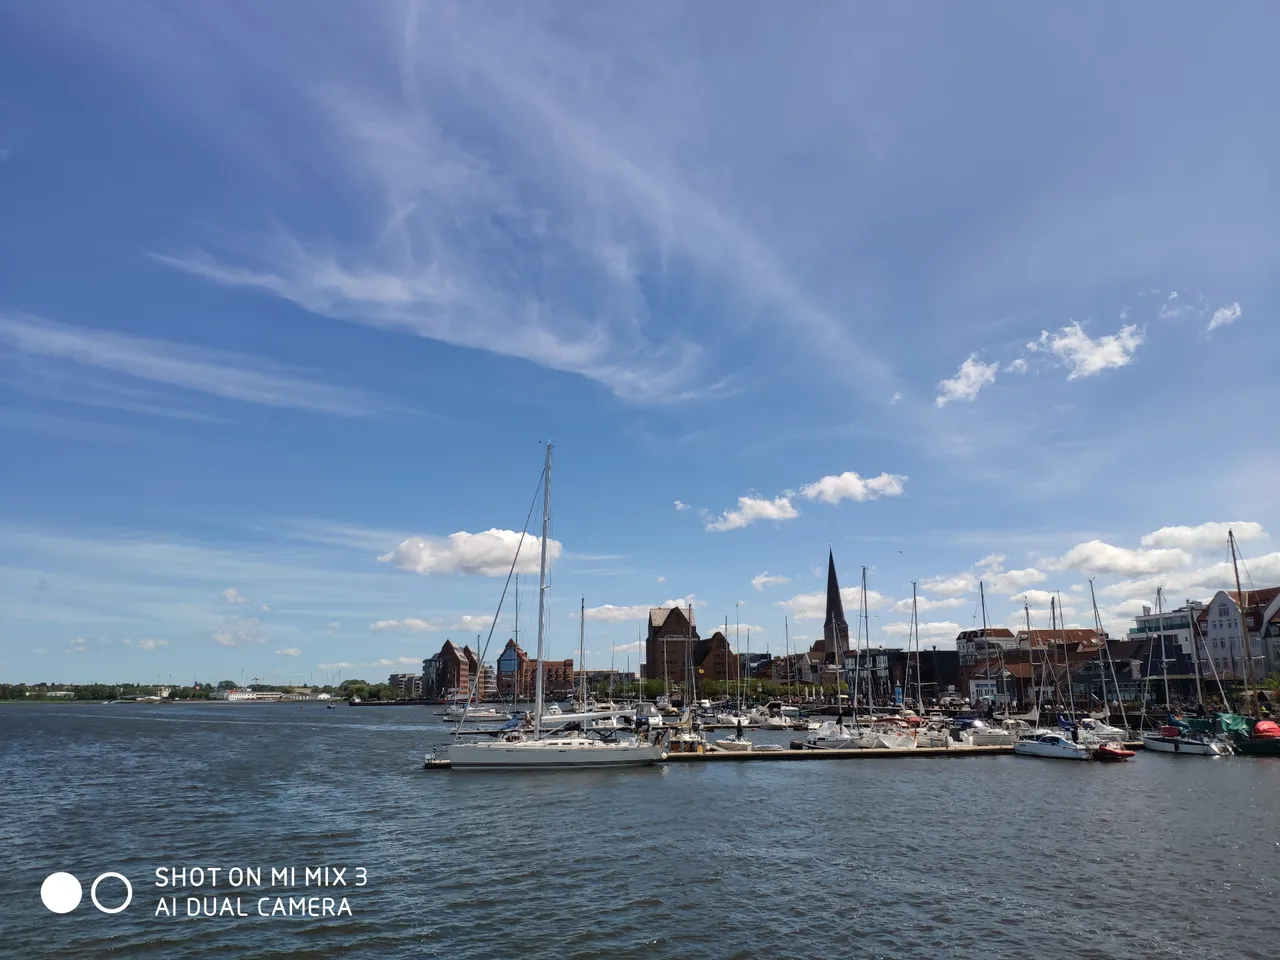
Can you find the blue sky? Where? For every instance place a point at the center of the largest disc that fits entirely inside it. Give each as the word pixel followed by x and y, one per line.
pixel 289 301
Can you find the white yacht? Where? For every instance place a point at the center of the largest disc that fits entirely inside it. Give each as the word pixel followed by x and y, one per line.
pixel 459 712
pixel 517 749
pixel 1052 746
pixel 1004 734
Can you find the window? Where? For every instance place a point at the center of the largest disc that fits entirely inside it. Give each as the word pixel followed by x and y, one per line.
pixel 1222 610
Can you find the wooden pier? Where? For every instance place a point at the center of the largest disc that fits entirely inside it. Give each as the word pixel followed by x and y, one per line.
pixel 714 755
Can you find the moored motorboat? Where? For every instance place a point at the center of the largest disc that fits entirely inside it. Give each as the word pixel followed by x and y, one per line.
pixel 1051 746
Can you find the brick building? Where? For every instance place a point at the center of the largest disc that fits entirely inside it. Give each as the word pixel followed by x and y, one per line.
pixel 450 672
pixel 668 650
pixel 557 676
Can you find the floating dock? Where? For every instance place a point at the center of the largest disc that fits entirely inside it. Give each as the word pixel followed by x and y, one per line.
pixel 959 751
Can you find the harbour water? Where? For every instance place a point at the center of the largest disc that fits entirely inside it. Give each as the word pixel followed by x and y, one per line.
pixel 1162 857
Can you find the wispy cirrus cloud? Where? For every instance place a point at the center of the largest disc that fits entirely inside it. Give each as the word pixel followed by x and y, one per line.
pixel 503 202
pixel 407 625
pixel 219 373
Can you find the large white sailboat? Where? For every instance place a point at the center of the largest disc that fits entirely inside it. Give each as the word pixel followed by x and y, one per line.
pixel 520 749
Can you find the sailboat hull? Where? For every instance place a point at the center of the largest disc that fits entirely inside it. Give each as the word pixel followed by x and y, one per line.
pixel 1182 745
pixel 557 753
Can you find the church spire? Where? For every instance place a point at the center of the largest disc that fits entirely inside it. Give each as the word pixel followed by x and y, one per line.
pixel 835 629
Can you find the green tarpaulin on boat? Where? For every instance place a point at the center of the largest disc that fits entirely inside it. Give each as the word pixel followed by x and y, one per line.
pixel 1220 723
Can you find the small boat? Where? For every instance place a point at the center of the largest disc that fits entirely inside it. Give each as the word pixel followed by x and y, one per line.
pixel 735 745
pixel 1110 752
pixel 834 736
pixel 1051 746
pixel 978 734
pixel 1098 730
pixel 475 713
pixel 1172 739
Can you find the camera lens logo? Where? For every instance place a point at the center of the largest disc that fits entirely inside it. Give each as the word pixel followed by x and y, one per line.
pixel 62 892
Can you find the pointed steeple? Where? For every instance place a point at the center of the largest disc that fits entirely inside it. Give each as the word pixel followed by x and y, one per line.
pixel 835 629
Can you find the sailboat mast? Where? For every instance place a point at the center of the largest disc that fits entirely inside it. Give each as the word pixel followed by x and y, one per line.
pixel 737 650
pixel 1031 657
pixel 542 595
pixel 515 681
pixel 865 616
pixel 1066 660
pixel 1106 645
pixel 1164 660
pixel 786 652
pixel 915 627
pixel 1244 624
pixel 582 649
pixel 1195 651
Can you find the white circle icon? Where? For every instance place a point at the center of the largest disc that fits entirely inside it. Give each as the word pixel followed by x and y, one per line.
pixel 61 892
pixel 93 892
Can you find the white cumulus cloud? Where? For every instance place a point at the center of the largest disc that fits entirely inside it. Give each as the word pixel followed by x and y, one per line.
pixel 1263 570
pixel 469 623
pixel 681 505
pixel 851 486
pixel 1105 559
pixel 751 509
pixel 813 606
pixel 487 554
pixel 955 586
pixel 1085 356
pixel 767 579
pixel 610 613
pixel 1206 536
pixel 1224 315
pixel 972 376
pixel 927 603
pixel 936 630
pixel 288 652
pixel 397 662
pixel 233 596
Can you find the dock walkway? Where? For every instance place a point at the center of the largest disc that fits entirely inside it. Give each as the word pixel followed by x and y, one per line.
pixel 959 751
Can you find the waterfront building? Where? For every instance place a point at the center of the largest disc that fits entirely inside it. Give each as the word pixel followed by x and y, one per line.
pixel 408 686
pixel 714 659
pixel 557 676
pixel 1219 623
pixel 673 631
pixel 450 672
pixel 512 662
